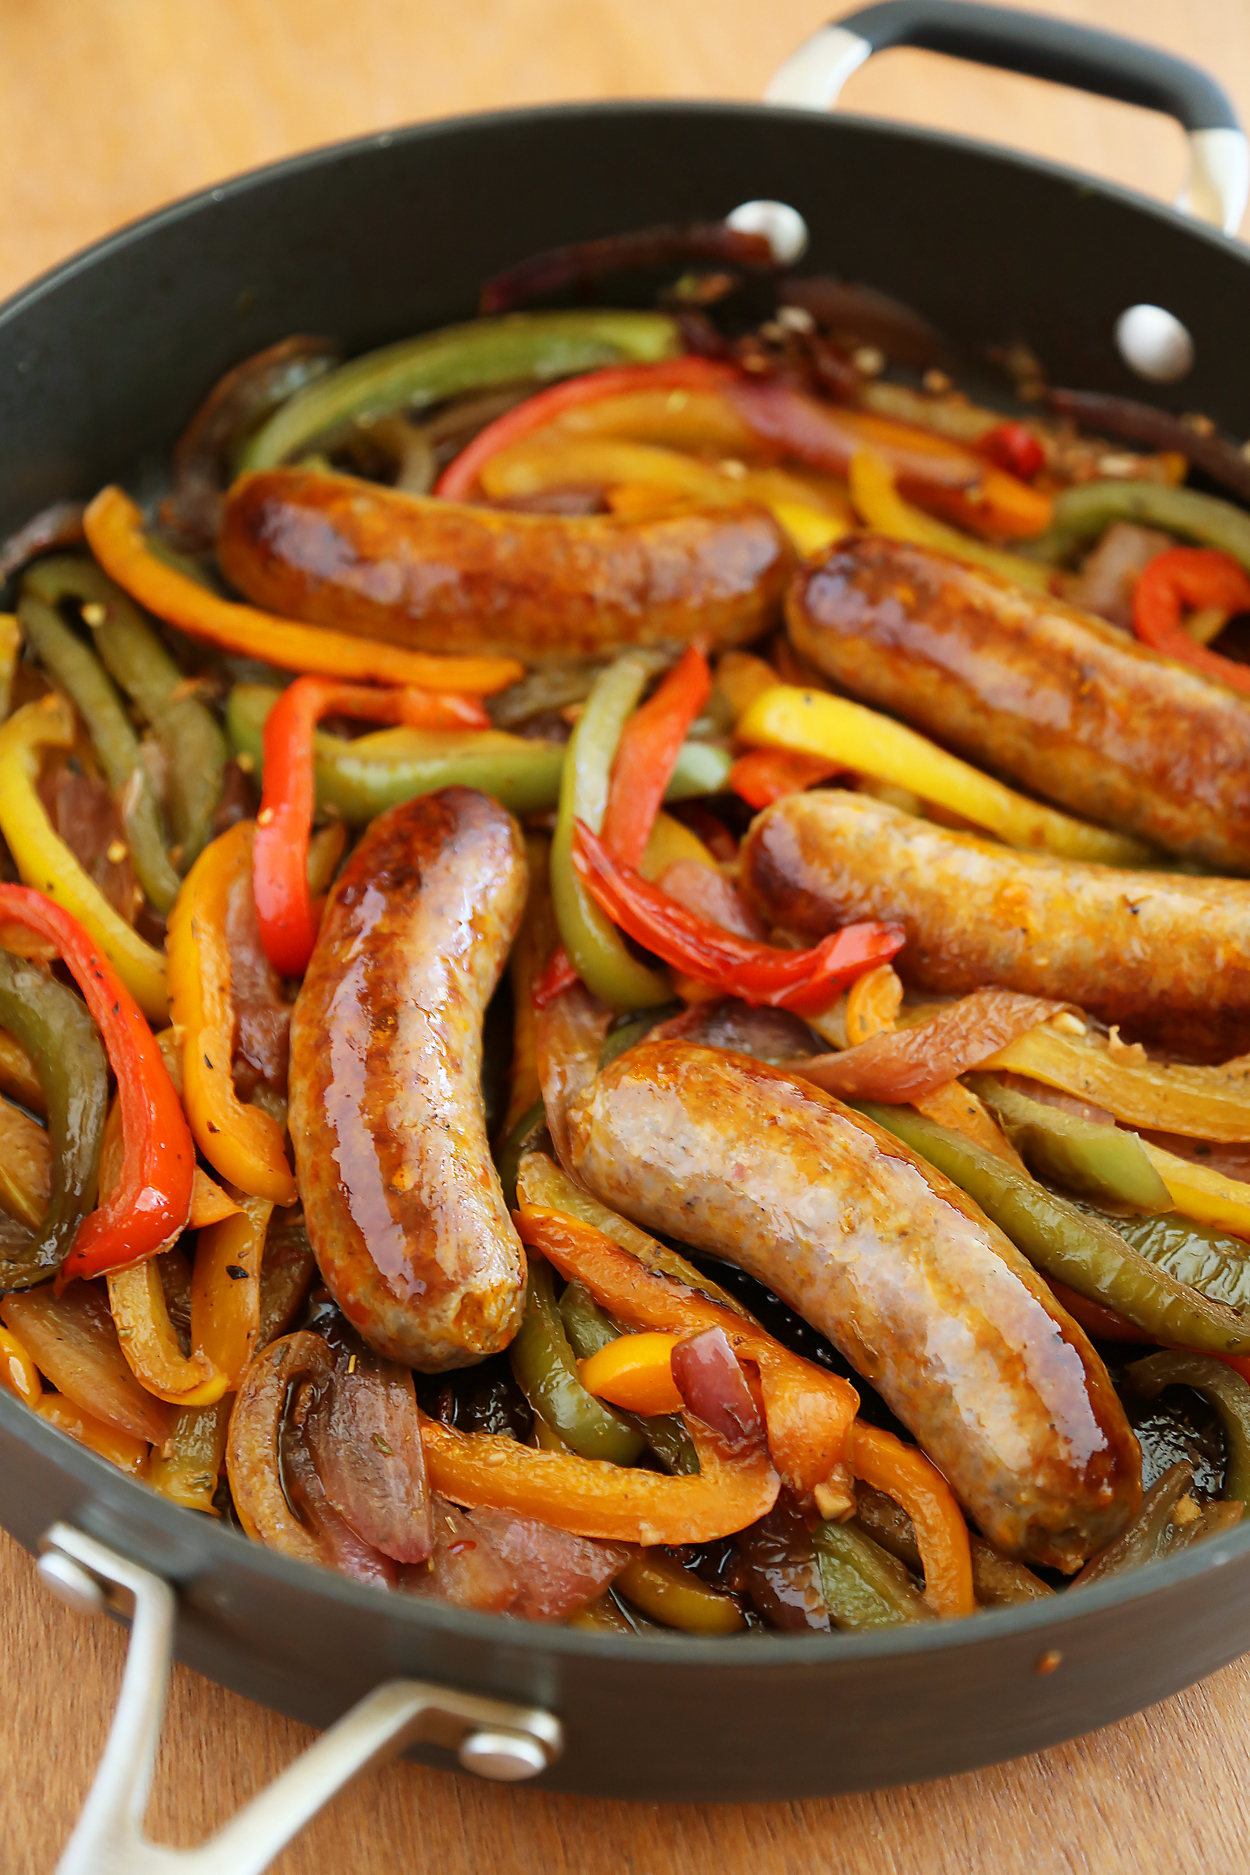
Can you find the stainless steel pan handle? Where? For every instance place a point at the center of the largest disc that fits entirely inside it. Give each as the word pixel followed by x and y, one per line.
pixel 1042 47
pixel 492 1738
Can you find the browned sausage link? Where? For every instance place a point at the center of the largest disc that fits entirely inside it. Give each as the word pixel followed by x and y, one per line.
pixel 448 576
pixel 1166 955
pixel 403 1205
pixel 1068 705
pixel 883 1255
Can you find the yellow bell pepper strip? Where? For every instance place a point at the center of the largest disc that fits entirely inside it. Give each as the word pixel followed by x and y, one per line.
pixel 907 1476
pixel 10 651
pixel 285 910
pixel 45 862
pixel 858 738
pixel 459 480
pixel 150 1204
pixel 120 1448
pixel 759 973
pixel 150 1344
pixel 225 1289
pixel 882 508
pixel 593 945
pixel 1202 1193
pixel 1171 1097
pixel 669 842
pixel 808 1412
pixel 238 1140
pixel 187 1470
pixel 635 1371
pixel 17 1371
pixel 115 532
pixel 674 1596
pixel 534 943
pixel 25 1167
pixel 593 1498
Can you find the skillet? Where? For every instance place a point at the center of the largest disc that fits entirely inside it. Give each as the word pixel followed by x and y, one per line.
pixel 100 364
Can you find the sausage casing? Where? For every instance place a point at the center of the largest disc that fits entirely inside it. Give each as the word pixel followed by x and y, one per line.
pixel 1164 954
pixel 402 1201
pixel 927 1298
pixel 450 576
pixel 1076 710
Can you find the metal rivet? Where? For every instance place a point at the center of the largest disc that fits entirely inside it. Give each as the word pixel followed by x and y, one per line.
pixel 1154 344
pixel 505 1757
pixel 71 1583
pixel 783 226
pixel 1048 1661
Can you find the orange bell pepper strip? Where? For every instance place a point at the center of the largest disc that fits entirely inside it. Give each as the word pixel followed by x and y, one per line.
pixel 766 775
pixel 458 481
pixel 114 528
pixel 17 1371
pixel 285 909
pixel 120 1448
pixel 805 981
pixel 225 1289
pixel 808 1413
pixel 635 1371
pixel 238 1140
pixel 1190 576
pixel 591 1497
pixel 907 1476
pixel 151 1201
pixel 647 754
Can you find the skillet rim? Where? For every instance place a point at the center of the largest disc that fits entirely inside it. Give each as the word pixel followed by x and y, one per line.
pixel 222 1546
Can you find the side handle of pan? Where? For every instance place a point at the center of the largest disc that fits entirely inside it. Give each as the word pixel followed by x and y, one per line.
pixel 1041 47
pixel 492 1738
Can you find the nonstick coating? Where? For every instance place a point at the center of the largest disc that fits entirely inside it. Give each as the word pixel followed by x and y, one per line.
pixel 100 365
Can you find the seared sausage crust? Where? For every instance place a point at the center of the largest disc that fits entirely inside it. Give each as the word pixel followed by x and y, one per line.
pixel 403 1205
pixel 448 576
pixel 1166 955
pixel 926 1297
pixel 1076 710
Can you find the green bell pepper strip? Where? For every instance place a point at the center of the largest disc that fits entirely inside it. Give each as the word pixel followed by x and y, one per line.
pixel 545 1369
pixel 595 947
pixel 1072 1245
pixel 1153 1534
pixel 358 780
pixel 81 675
pixel 519 1141
pixel 1228 1393
pixel 1206 1259
pixel 1083 513
pixel 864 1587
pixel 57 1032
pixel 1101 1161
pixel 132 653
pixel 422 371
pixel 590 1328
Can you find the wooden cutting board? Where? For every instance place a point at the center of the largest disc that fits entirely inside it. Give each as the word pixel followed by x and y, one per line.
pixel 108 111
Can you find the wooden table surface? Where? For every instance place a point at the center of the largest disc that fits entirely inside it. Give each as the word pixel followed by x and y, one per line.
pixel 109 110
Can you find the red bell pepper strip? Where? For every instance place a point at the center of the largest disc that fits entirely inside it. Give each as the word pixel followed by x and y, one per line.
pixel 804 981
pixel 151 1202
pixel 555 979
pixel 459 478
pixel 1012 446
pixel 765 775
pixel 1193 576
pixel 285 910
pixel 647 755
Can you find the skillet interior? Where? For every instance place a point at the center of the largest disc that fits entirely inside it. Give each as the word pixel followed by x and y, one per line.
pixel 100 364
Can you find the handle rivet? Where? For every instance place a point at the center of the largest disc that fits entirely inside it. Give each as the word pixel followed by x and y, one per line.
pixel 505 1757
pixel 71 1583
pixel 1153 343
pixel 782 227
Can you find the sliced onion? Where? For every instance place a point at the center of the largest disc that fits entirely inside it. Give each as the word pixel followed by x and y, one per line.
pixel 345 1551
pixel 710 895
pixel 764 1034
pixel 463 1568
pixel 904 1063
pixel 365 1440
pixel 253 1459
pixel 73 1342
pixel 710 1381
pixel 555 1571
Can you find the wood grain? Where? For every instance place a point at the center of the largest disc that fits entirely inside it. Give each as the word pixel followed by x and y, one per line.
pixel 108 112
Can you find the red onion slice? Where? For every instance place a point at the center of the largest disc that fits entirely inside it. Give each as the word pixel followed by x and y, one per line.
pixel 365 1439
pixel 709 1379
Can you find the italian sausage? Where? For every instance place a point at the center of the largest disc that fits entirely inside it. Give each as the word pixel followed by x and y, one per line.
pixel 449 576
pixel 404 1208
pixel 1165 955
pixel 927 1298
pixel 1076 710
